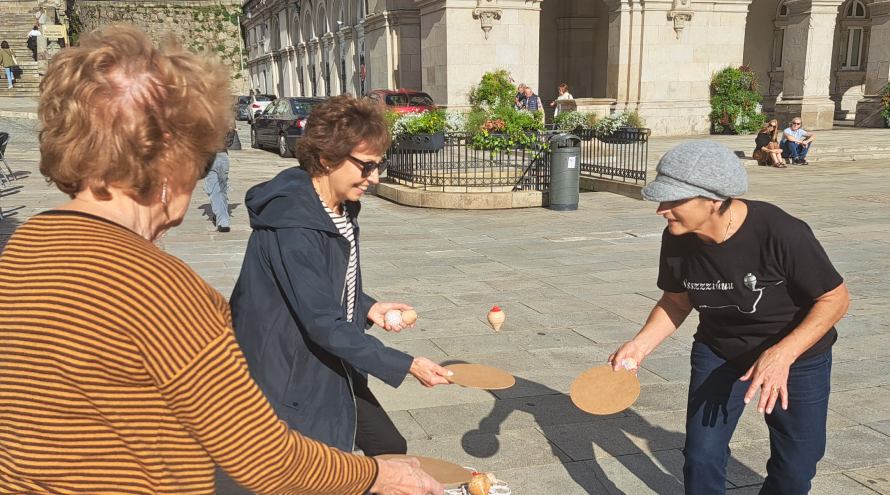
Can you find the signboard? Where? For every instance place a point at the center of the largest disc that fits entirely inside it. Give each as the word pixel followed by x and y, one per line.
pixel 53 31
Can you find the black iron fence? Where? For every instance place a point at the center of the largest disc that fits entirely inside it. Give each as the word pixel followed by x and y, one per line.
pixel 620 156
pixel 459 166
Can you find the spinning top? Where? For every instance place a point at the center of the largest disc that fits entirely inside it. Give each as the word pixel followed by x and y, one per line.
pixel 409 317
pixel 629 364
pixel 480 484
pixel 394 317
pixel 496 317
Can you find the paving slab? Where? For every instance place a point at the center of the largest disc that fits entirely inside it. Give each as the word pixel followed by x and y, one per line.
pixel 573 286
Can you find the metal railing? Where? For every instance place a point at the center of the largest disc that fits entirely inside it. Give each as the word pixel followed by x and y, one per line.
pixel 621 156
pixel 460 166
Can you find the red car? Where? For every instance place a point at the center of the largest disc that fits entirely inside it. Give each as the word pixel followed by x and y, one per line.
pixel 403 100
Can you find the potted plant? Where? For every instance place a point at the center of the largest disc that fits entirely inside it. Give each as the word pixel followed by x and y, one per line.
pixel 504 128
pixel 735 102
pixel 571 121
pixel 618 128
pixel 420 131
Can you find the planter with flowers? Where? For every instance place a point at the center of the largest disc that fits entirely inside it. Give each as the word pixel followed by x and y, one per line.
pixel 419 131
pixel 618 128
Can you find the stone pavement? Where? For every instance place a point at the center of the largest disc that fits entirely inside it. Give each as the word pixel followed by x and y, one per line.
pixel 573 285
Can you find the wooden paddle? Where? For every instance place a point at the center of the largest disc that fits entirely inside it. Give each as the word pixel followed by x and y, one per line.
pixel 480 376
pixel 601 391
pixel 448 473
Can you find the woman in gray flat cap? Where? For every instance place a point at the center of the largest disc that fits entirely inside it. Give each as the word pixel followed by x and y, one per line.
pixel 768 298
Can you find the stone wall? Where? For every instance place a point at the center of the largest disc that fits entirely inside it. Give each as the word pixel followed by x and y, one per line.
pixel 211 26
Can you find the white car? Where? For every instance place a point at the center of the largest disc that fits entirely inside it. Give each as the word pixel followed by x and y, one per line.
pixel 258 103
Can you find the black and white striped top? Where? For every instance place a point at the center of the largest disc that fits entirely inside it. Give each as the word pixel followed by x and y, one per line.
pixel 344 225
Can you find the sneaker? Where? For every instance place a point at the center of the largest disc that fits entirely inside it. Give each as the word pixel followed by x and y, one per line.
pixel 803 161
pixel 223 229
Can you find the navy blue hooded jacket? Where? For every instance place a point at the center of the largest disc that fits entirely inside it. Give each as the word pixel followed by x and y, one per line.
pixel 289 312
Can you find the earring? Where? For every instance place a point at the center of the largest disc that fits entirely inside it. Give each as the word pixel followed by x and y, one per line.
pixel 164 193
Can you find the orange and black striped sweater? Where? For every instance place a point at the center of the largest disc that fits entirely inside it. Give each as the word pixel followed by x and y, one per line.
pixel 119 373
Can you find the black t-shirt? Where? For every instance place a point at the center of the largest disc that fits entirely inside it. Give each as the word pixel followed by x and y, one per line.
pixel 762 140
pixel 755 288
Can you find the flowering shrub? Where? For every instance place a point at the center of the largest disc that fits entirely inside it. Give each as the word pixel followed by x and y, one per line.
pixel 610 123
pixel 571 120
pixel 885 103
pixel 429 122
pixel 503 128
pixel 494 125
pixel 494 90
pixel 735 101
pixel 455 121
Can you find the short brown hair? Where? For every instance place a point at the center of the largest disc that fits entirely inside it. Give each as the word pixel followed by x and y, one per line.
pixel 336 127
pixel 117 111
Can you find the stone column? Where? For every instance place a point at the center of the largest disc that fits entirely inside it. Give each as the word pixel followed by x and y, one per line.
pixel 302 62
pixel 348 56
pixel 463 39
pixel 877 72
pixel 328 84
pixel 625 33
pixel 808 44
pixel 313 72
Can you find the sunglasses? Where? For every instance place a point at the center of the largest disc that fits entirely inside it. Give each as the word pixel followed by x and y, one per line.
pixel 368 167
pixel 795 123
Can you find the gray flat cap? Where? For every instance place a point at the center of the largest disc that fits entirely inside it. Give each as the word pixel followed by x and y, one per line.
pixel 697 168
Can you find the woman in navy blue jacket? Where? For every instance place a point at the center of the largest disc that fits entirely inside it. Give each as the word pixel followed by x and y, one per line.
pixel 299 310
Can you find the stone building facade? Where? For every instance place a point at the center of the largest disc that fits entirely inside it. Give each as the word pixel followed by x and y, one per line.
pixel 821 59
pixel 199 25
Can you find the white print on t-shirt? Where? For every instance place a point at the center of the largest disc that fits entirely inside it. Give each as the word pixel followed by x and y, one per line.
pixel 718 285
pixel 750 282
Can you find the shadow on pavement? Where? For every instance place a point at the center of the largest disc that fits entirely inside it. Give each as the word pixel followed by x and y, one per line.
pixel 587 445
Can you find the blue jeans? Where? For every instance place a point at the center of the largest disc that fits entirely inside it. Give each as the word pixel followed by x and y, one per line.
pixel 797 436
pixel 9 77
pixel 795 151
pixel 216 185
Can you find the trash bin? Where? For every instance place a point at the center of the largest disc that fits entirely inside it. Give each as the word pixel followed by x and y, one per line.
pixel 565 171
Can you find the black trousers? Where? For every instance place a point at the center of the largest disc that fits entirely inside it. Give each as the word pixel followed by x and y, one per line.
pixel 375 432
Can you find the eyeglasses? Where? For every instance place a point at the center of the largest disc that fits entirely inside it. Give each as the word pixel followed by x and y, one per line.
pixel 795 123
pixel 368 167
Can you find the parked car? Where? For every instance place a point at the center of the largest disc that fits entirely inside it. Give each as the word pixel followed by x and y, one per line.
pixel 258 103
pixel 403 100
pixel 282 123
pixel 242 107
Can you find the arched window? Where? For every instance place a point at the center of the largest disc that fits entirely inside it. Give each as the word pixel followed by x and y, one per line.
pixel 856 10
pixel 854 31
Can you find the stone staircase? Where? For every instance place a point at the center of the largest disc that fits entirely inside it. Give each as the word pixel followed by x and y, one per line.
pixel 18 20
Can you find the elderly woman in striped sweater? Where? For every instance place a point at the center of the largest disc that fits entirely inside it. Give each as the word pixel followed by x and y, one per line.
pixel 119 370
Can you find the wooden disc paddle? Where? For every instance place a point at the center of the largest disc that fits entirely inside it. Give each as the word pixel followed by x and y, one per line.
pixel 480 376
pixel 601 391
pixel 448 473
